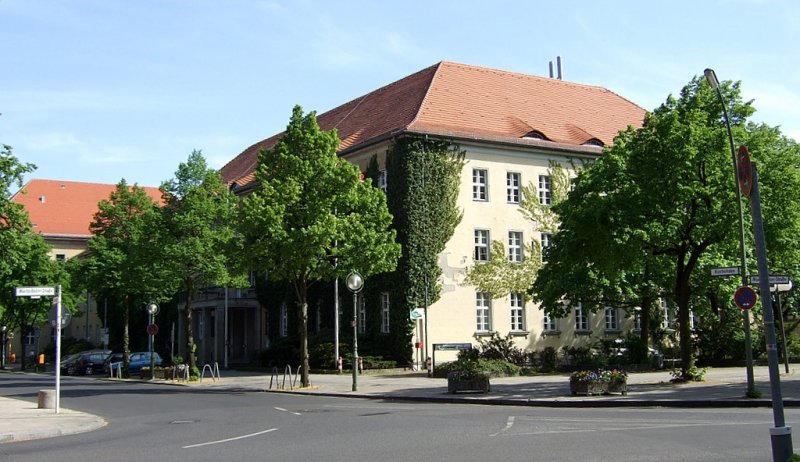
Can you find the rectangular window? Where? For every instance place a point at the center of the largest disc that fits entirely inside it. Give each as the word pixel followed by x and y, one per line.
pixel 483 309
pixel 517 312
pixel 667 315
pixel 384 312
pixel 545 242
pixel 382 181
pixel 515 246
pixel 61 257
pixel 612 318
pixel 284 321
pixel 479 184
pixel 550 324
pixel 581 320
pixel 481 245
pixel 637 319
pixel 362 315
pixel 545 197
pixel 513 180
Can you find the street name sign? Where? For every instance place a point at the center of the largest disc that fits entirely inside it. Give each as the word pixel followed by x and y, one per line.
pixel 729 271
pixel 35 291
pixel 772 280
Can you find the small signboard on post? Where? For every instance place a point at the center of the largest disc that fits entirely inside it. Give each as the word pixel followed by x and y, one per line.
pixel 745 297
pixel 728 271
pixel 772 280
pixel 35 292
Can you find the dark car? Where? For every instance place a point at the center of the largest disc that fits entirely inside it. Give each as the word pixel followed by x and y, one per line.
pixel 138 360
pixel 68 363
pixel 141 359
pixel 89 363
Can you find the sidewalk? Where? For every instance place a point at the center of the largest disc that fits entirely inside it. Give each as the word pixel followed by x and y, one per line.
pixel 723 387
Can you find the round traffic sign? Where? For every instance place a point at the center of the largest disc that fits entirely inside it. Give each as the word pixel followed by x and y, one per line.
pixel 744 170
pixel 745 297
pixel 152 329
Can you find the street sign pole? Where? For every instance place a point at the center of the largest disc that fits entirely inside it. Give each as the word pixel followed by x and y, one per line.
pixel 780 435
pixel 58 347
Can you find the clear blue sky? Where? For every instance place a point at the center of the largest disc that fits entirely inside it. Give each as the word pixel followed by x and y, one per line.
pixel 99 90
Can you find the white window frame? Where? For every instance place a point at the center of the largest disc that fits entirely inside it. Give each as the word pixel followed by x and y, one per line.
pixel 550 324
pixel 481 248
pixel 513 184
pixel 668 316
pixel 382 180
pixel 517 302
pixel 581 319
pixel 284 321
pixel 483 312
pixel 480 184
pixel 385 319
pixel 637 319
pixel 515 246
pixel 611 318
pixel 545 192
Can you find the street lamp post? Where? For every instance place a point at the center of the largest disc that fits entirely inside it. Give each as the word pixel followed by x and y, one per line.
pixel 355 283
pixel 711 77
pixel 152 310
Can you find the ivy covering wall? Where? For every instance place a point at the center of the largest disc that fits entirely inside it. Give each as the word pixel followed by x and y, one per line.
pixel 423 178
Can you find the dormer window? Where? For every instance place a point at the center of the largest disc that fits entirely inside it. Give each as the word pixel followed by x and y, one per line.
pixel 594 142
pixel 535 135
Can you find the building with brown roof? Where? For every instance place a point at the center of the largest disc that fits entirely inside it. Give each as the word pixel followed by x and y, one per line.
pixel 513 127
pixel 62 212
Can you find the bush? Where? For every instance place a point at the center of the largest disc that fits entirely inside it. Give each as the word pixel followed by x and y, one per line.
pixel 494 368
pixel 548 359
pixel 693 374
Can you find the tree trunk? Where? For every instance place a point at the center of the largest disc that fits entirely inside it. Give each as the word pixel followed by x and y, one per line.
pixel 644 333
pixel 191 359
pixel 126 343
pixel 302 314
pixel 23 345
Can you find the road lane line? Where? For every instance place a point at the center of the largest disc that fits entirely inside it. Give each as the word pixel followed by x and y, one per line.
pixel 286 410
pixel 509 424
pixel 227 440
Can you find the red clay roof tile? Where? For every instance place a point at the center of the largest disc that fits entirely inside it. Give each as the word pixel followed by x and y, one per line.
pixel 459 100
pixel 65 208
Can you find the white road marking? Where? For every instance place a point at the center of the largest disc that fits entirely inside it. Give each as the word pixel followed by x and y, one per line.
pixel 229 439
pixel 286 410
pixel 509 424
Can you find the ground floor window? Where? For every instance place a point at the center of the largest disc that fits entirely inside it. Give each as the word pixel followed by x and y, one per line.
pixel 483 310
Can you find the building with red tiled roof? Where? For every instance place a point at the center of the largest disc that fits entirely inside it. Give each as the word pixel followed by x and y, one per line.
pixel 513 128
pixel 462 102
pixel 62 212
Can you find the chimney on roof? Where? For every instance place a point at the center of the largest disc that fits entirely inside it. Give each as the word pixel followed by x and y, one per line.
pixel 558 65
pixel 551 69
pixel 41 199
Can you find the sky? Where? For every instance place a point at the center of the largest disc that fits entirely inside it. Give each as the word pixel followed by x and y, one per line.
pixel 101 90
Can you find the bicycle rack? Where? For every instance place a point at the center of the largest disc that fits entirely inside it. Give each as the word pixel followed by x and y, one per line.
pixel 214 371
pixel 115 367
pixel 287 372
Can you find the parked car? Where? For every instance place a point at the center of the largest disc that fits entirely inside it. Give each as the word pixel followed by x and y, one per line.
pixel 89 362
pixel 138 360
pixel 68 363
pixel 141 359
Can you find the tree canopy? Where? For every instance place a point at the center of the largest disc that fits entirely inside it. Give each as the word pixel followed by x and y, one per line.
pixel 310 207
pixel 198 234
pixel 658 209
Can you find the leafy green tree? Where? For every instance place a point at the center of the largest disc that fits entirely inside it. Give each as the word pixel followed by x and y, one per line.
pixel 25 258
pixel 198 214
pixel 124 261
pixel 306 199
pixel 664 208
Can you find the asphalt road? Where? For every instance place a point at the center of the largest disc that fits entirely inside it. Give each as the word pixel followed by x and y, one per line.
pixel 148 422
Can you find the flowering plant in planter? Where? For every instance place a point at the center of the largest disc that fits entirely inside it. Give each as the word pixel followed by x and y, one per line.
pixel 597 382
